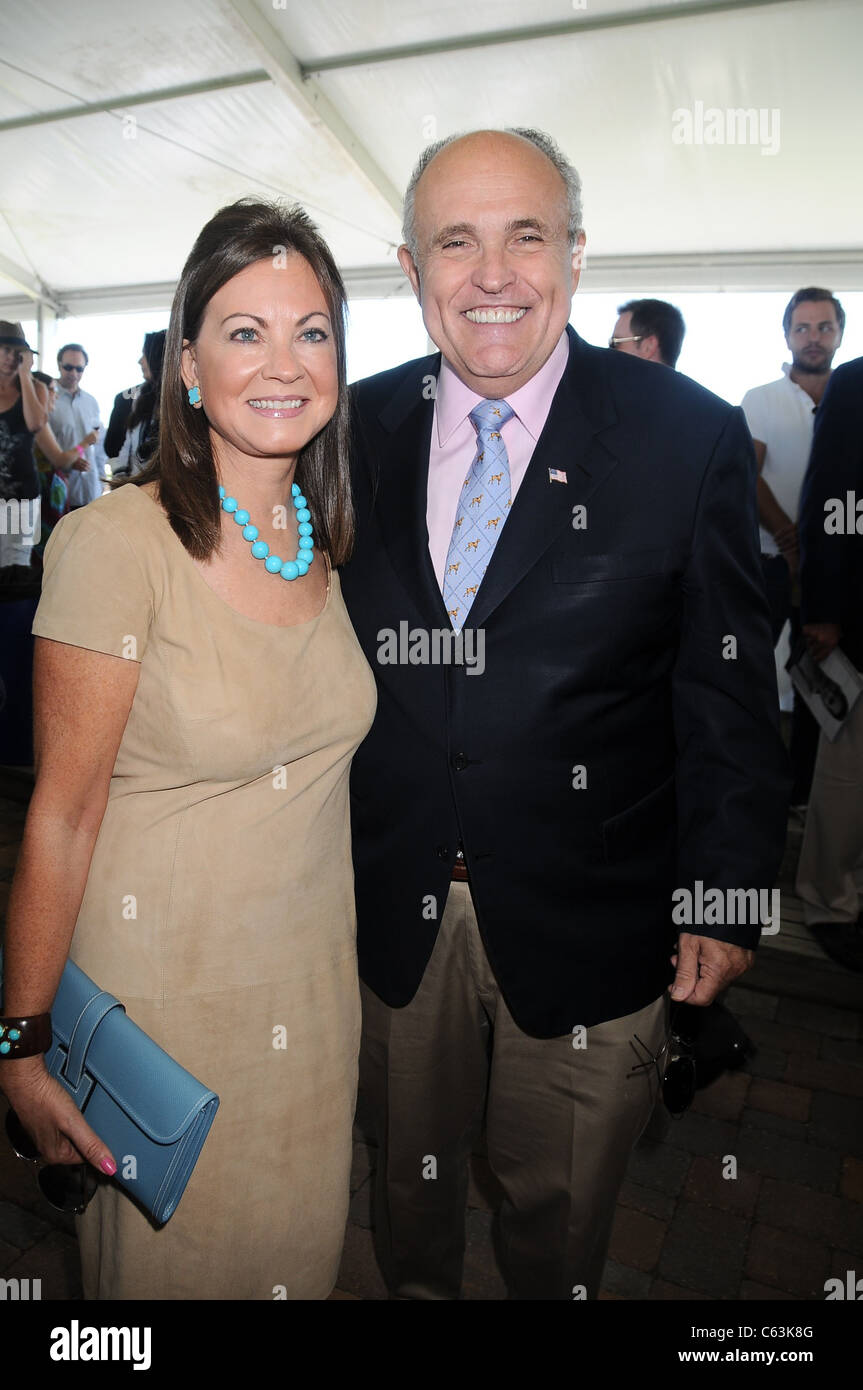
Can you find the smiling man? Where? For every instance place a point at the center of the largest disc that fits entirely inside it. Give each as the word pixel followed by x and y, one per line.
pixel 518 837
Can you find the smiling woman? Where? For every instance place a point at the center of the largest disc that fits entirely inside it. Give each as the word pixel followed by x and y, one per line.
pixel 211 801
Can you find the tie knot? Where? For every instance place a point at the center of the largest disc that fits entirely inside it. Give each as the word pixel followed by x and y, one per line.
pixel 491 415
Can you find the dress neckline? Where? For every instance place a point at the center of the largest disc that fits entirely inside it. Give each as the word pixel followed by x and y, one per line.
pixel 244 617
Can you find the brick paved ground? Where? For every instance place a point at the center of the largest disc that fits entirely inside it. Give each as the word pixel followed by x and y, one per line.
pixel 792 1121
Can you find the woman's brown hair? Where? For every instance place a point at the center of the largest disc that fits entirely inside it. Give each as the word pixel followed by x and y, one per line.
pixel 183 466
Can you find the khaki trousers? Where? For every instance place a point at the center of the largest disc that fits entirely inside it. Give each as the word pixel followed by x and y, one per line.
pixel 830 872
pixel 560 1123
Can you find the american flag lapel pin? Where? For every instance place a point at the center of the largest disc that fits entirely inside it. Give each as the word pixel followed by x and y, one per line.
pixel 556 475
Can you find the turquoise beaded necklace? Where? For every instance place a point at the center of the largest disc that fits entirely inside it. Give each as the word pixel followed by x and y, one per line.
pixel 274 564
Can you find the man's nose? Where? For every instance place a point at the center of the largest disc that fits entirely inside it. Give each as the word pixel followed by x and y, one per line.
pixel 493 270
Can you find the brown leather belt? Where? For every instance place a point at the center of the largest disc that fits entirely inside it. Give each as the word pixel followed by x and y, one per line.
pixel 459 872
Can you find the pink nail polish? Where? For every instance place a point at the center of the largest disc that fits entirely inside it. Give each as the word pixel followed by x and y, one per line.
pixel 108 1166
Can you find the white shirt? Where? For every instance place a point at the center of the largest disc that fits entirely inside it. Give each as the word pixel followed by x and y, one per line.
pixel 781 415
pixel 76 414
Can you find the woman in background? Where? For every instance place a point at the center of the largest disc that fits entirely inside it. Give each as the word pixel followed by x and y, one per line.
pixel 142 428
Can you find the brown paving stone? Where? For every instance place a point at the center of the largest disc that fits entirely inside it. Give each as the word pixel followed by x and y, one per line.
pixel 841 1263
pixel 769 1062
pixel 751 1003
pixel 786 1260
pixel 706 1184
pixel 791 1206
pixel 776 1124
pixel 779 1098
pixel 704 1250
pixel 636 1239
pixel 55 1261
pixel 621 1281
pixel 837 1121
pixel 840 1050
pixel 646 1199
pixel 482 1280
pixel 661 1289
pixel 851 1182
pixel 765 1033
pixel 339 1295
pixel 790 1160
pixel 750 1291
pixel 821 1075
pixel 658 1166
pixel 819 1018
pixel 702 1134
pixel 359 1274
pixel 360 1209
pixel 724 1100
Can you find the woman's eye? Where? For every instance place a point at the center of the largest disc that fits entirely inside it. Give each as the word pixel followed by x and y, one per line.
pixel 237 331
pixel 315 335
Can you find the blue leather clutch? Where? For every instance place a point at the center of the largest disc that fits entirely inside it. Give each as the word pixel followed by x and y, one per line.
pixel 152 1113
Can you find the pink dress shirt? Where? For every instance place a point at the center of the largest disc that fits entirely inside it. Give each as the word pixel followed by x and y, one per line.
pixel 453 442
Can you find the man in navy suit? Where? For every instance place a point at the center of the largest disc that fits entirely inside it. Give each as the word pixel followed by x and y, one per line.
pixel 576 748
pixel 830 874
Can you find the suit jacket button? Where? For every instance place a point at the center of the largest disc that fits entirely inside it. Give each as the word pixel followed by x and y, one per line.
pixel 460 761
pixel 442 852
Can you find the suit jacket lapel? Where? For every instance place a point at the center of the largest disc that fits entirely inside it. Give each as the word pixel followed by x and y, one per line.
pixel 542 508
pixel 403 489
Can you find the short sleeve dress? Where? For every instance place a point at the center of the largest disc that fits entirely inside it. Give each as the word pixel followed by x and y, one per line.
pixel 219 905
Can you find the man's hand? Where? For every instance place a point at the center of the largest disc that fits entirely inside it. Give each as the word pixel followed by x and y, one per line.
pixel 821 638
pixel 704 967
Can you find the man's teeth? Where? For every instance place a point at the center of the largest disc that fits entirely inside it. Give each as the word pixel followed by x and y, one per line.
pixel 495 315
pixel 276 405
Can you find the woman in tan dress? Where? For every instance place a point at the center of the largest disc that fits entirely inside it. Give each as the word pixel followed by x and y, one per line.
pixel 187 842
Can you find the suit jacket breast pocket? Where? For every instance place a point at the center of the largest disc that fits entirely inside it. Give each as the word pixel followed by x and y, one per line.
pixel 656 563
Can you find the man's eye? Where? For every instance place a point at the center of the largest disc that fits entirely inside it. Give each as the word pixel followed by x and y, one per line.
pixel 448 244
pixel 237 331
pixel 530 236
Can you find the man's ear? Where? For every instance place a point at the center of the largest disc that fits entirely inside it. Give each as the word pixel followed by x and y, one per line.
pixel 188 365
pixel 649 348
pixel 577 260
pixel 408 265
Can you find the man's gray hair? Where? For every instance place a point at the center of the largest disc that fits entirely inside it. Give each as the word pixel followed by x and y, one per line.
pixel 543 142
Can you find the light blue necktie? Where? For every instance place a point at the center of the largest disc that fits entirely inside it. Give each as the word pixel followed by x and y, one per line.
pixel 482 511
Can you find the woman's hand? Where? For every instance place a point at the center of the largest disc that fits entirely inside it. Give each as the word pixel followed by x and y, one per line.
pixel 25 364
pixel 51 1117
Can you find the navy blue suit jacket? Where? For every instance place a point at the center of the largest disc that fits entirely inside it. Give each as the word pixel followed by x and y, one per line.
pixel 831 564
pixel 637 647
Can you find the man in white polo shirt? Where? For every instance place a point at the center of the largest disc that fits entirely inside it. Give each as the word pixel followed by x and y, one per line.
pixel 74 416
pixel 780 417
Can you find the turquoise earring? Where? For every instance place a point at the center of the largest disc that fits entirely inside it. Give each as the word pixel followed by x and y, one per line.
pixel 194 395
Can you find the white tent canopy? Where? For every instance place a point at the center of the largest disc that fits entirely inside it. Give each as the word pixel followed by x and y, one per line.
pixel 717 142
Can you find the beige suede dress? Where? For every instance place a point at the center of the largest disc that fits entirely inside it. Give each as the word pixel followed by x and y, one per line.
pixel 219 904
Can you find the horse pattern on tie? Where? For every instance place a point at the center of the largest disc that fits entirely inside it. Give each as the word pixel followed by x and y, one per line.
pixel 482 511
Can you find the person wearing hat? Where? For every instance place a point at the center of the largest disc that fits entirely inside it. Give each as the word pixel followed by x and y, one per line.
pixel 23 412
